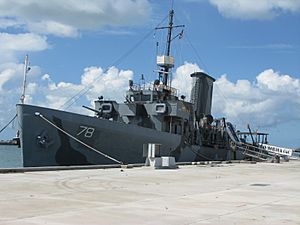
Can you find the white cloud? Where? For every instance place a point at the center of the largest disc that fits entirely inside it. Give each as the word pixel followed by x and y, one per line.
pixel 271 99
pixel 11 76
pixel 9 22
pixel 182 80
pixel 262 9
pixel 112 84
pixel 54 28
pixel 26 24
pixel 22 42
pixel 5 76
pixel 43 91
pixel 10 91
pixel 11 44
pixel 46 77
pixel 65 18
pixel 276 82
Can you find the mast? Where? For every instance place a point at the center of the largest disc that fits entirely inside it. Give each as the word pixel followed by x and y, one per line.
pixel 169 38
pixel 26 70
pixel 166 62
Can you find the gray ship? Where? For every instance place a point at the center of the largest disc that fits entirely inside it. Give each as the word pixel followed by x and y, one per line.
pixel 118 131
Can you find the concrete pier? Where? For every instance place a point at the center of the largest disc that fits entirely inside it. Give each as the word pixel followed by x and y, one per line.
pixel 238 193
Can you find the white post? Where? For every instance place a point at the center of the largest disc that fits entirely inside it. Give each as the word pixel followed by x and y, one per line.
pixel 26 69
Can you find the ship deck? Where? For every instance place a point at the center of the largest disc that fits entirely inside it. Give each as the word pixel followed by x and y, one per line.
pixel 236 193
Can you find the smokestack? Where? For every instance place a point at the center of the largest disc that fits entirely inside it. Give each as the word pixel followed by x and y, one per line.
pixel 201 95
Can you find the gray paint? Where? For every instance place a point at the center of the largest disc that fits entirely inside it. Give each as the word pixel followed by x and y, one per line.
pixel 201 94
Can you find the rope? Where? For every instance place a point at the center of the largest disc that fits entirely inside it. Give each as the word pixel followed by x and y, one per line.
pixel 196 53
pixel 8 123
pixel 74 138
pixel 206 69
pixel 83 91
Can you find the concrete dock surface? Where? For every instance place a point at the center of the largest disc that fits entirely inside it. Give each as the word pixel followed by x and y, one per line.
pixel 238 193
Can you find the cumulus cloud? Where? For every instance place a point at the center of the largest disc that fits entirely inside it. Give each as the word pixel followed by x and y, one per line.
pixel 275 82
pixel 22 42
pixel 54 28
pixel 11 44
pixel 9 22
pixel 262 9
pixel 271 99
pixel 5 76
pixel 43 91
pixel 10 90
pixel 65 18
pixel 25 25
pixel 11 76
pixel 111 83
pixel 182 80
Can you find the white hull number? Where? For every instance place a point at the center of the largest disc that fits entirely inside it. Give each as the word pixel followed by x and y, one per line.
pixel 86 131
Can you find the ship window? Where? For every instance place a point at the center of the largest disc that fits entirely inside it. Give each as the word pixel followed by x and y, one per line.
pixel 106 107
pixel 160 108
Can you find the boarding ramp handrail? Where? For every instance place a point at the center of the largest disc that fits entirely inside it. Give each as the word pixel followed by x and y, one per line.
pixel 260 151
pixel 250 150
pixel 232 134
pixel 254 151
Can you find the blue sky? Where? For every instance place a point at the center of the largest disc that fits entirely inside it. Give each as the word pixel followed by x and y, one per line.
pixel 252 49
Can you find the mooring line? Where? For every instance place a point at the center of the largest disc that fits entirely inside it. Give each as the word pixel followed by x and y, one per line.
pixel 76 139
pixel 8 123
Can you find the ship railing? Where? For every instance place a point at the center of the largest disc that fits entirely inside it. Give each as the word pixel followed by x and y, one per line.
pixel 152 87
pixel 253 151
pixel 137 87
pixel 163 87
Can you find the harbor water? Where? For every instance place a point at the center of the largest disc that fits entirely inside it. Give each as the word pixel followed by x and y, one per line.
pixel 10 156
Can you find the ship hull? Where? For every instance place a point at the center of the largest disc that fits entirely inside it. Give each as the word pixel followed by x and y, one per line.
pixel 44 143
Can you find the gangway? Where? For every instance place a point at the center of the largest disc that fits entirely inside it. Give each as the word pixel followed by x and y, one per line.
pixel 260 151
pixel 255 152
pixel 250 150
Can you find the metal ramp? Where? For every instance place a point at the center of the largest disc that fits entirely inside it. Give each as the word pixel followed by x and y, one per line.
pixel 257 150
pixel 254 152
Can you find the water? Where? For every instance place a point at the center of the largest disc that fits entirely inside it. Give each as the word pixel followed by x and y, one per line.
pixel 10 156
